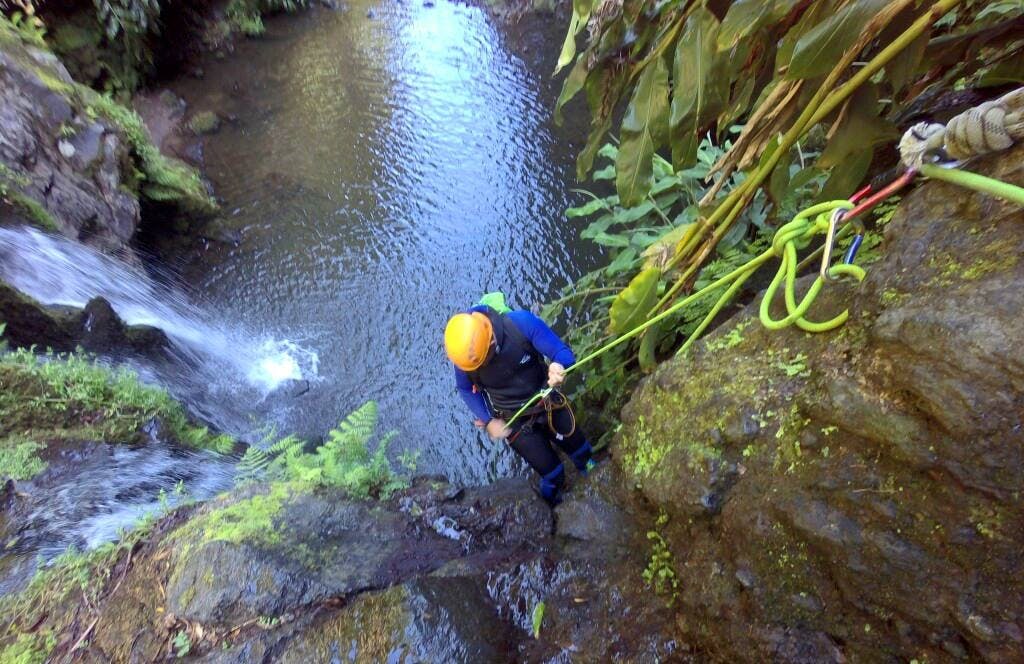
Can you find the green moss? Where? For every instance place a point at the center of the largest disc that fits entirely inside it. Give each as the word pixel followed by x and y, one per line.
pixel 794 367
pixel 34 212
pixel 204 122
pixel 47 596
pixel 998 256
pixel 71 398
pixel 28 649
pixel 732 338
pixel 252 520
pixel 165 180
pixel 892 297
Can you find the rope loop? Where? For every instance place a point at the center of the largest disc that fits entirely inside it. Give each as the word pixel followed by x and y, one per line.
pixel 812 221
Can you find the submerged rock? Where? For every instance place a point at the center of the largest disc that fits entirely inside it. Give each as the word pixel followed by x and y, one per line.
pixel 876 516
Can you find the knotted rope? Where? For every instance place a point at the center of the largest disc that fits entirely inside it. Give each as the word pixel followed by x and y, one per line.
pixel 989 127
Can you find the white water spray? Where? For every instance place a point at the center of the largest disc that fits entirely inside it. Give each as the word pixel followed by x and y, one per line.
pixel 57 271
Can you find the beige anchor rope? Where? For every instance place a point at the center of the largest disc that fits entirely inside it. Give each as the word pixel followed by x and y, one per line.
pixel 989 127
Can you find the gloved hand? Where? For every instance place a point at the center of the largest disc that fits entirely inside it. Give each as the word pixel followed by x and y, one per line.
pixel 497 429
pixel 556 374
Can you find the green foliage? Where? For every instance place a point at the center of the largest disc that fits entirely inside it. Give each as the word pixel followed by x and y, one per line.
pixel 252 519
pixel 182 644
pixel 537 619
pixel 246 16
pixel 19 460
pixel 68 397
pixel 49 594
pixel 344 461
pixel 725 67
pixel 28 649
pixel 165 180
pixel 11 185
pixel 660 573
pixel 29 27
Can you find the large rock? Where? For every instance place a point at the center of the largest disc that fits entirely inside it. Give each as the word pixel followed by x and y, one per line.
pixel 59 157
pixel 854 495
pixel 96 329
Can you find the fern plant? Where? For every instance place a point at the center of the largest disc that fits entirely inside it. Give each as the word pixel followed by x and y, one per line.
pixel 344 461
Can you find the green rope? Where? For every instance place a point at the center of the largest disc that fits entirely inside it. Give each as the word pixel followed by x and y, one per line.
pixel 799 231
pixel 1003 190
pixel 804 226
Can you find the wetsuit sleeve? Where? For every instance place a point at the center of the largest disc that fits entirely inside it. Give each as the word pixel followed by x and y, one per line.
pixel 474 400
pixel 543 338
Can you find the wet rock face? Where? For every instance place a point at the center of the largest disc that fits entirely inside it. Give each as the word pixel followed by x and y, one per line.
pixel 67 162
pixel 285 573
pixel 96 329
pixel 856 494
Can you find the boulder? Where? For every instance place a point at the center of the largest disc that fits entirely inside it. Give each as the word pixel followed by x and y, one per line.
pixel 853 495
pixel 96 329
pixel 65 163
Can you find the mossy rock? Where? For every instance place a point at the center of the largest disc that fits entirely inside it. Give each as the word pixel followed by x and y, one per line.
pixel 204 122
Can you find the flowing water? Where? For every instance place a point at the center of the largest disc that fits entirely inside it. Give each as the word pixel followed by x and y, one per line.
pixel 385 165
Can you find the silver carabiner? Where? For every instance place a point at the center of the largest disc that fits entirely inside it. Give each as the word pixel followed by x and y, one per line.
pixel 830 239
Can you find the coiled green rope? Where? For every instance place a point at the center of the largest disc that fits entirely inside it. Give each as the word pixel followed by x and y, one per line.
pixel 788 239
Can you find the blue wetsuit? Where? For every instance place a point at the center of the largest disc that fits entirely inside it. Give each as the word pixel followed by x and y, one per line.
pixel 543 339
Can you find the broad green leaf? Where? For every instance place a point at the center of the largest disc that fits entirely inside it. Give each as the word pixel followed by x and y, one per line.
pixel 847 176
pixel 537 619
pixel 632 305
pixel 779 182
pixel 644 128
pixel 608 151
pixel 743 18
pixel 630 215
pixel 580 16
pixel 811 16
pixel 608 240
pixel 861 129
pixel 661 250
pixel 1008 72
pixel 571 87
pixel 588 208
pixel 625 261
pixel 648 347
pixel 699 89
pixel 602 224
pixel 736 233
pixel 822 47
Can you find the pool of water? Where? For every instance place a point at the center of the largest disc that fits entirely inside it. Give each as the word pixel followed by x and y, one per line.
pixel 384 165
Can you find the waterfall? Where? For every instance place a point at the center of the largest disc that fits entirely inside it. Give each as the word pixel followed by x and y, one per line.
pixel 57 271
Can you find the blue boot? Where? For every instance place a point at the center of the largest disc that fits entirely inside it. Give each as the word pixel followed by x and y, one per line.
pixel 551 485
pixel 583 458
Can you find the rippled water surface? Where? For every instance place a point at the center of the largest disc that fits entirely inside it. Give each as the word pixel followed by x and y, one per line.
pixel 385 165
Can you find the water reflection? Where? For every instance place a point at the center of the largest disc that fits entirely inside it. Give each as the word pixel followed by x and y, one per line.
pixel 385 172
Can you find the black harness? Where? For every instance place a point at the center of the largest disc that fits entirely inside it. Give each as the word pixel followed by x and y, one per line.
pixel 515 370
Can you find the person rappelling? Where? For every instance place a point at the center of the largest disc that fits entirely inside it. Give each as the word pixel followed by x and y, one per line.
pixel 499 357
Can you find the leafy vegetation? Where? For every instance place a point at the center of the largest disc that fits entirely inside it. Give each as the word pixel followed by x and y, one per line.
pixel 660 573
pixel 799 97
pixel 344 461
pixel 68 398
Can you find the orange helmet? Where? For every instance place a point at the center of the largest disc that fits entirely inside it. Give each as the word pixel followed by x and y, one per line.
pixel 467 339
